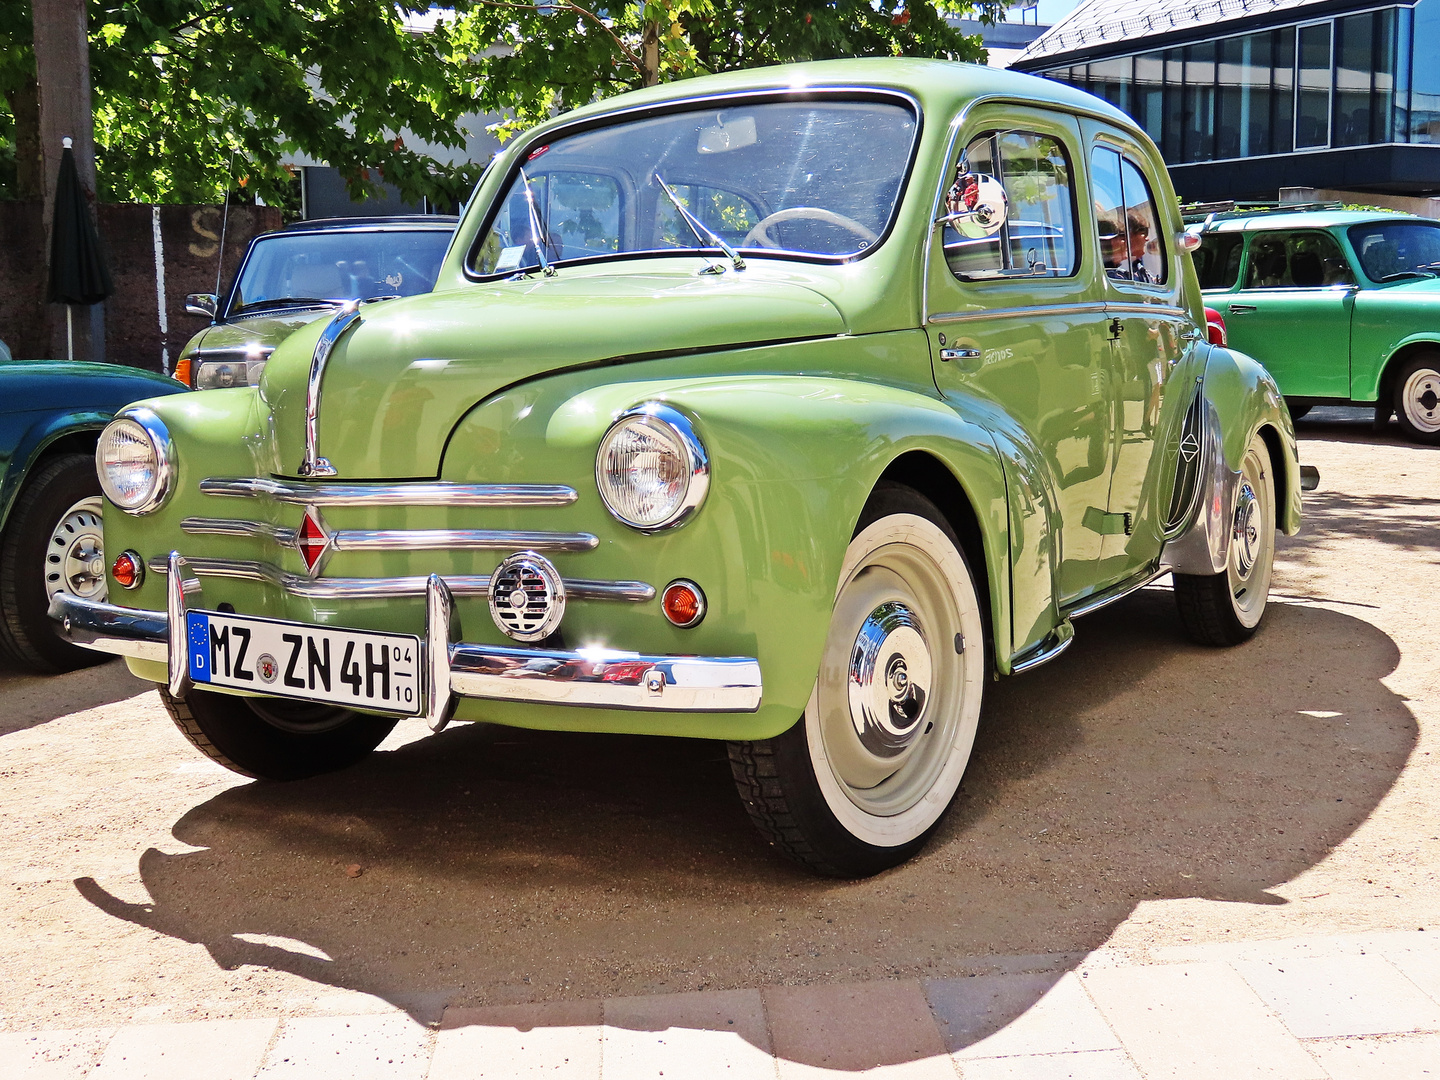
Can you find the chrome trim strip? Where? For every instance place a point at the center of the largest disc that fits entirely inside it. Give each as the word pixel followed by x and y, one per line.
pixel 635 592
pixel 1147 309
pixel 607 679
pixel 313 464
pixel 423 493
pixel 461 540
pixel 1116 592
pixel 111 629
pixel 1097 307
pixel 199 526
pixel 594 678
pixel 1056 643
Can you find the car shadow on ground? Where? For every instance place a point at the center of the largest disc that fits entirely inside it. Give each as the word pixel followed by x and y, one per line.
pixel 495 866
pixel 30 699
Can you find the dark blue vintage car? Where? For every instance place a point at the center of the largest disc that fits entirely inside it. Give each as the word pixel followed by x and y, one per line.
pixel 51 412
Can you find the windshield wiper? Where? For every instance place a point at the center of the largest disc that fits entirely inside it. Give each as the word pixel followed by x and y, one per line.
pixel 539 235
pixel 284 302
pixel 1406 274
pixel 698 227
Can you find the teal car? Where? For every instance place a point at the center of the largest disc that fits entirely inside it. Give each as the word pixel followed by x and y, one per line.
pixel 787 408
pixel 1342 307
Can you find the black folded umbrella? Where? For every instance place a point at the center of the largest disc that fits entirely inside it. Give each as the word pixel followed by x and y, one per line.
pixel 78 274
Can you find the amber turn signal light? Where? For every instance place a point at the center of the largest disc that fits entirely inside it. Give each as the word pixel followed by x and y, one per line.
pixel 128 570
pixel 684 603
pixel 182 370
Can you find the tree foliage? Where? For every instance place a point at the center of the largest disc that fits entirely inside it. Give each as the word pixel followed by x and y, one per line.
pixel 189 94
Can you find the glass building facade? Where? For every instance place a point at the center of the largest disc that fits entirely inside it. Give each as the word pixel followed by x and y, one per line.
pixel 1353 80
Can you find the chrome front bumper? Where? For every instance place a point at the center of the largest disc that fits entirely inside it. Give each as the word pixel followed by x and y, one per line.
pixel 454 669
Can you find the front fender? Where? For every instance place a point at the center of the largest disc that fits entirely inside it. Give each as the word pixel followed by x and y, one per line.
pixel 32 442
pixel 1239 400
pixel 793 460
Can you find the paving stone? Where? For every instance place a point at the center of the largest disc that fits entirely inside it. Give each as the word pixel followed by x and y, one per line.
pixel 1336 996
pixel 1088 1065
pixel 1001 1015
pixel 1420 966
pixel 204 1050
pixel 350 1048
pixel 695 1036
pixel 51 1055
pixel 1197 1022
pixel 557 1041
pixel 1387 1057
pixel 883 1027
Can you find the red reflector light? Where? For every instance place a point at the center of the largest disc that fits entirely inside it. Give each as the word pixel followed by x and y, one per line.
pixel 128 570
pixel 683 603
pixel 1215 327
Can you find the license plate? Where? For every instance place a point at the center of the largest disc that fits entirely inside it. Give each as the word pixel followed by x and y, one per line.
pixel 357 668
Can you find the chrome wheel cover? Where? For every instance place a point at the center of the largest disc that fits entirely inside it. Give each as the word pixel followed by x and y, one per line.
pixel 1252 539
pixel 75 553
pixel 893 714
pixel 1420 398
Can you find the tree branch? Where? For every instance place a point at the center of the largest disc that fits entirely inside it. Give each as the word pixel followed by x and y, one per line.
pixel 630 57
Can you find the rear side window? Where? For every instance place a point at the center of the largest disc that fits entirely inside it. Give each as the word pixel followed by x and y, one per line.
pixel 1217 260
pixel 1038 238
pixel 1130 244
pixel 1296 260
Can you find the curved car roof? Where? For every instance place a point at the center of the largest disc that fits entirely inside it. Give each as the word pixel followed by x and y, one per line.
pixel 1304 219
pixel 394 221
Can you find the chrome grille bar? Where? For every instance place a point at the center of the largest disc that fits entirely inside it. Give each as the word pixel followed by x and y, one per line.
pixel 402 539
pixel 424 493
pixel 384 588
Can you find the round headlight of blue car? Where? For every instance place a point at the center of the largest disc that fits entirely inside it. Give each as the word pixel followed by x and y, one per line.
pixel 652 469
pixel 135 460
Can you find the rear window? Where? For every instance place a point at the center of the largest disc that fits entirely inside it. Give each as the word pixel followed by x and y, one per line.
pixel 1217 260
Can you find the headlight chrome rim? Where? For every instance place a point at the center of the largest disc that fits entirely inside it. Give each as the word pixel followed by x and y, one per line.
pixel 161 448
pixel 696 463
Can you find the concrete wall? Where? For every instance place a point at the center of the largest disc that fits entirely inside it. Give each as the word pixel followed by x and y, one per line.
pixel 1419 205
pixel 152 251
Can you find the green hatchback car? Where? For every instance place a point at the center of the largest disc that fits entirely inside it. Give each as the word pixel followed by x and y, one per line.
pixel 786 408
pixel 1342 307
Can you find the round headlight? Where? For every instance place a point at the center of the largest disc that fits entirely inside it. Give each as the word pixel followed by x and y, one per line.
pixel 135 461
pixel 652 470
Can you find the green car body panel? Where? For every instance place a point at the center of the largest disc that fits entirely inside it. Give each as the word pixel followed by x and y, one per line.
pixel 808 383
pixel 1334 343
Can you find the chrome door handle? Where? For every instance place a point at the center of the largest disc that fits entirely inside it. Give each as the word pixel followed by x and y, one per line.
pixel 959 354
pixel 1241 309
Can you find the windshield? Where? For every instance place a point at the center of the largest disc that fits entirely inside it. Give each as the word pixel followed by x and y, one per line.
pixel 810 178
pixel 1390 250
pixel 342 265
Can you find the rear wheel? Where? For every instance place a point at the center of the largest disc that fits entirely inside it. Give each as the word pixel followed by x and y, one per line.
pixel 1417 397
pixel 52 544
pixel 272 739
pixel 862 780
pixel 1226 608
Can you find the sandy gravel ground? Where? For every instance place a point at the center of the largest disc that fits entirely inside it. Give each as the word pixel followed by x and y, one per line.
pixel 1138 792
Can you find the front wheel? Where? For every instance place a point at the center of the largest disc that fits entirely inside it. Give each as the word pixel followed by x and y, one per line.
pixel 861 781
pixel 273 739
pixel 1225 608
pixel 1417 398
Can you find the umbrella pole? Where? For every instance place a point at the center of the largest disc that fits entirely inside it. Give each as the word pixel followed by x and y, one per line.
pixel 70 331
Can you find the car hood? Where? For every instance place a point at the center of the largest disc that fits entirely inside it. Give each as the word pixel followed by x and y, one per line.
pixel 255 333
pixel 401 379
pixel 76 385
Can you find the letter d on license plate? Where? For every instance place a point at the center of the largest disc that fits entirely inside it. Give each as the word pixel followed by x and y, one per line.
pixel 358 668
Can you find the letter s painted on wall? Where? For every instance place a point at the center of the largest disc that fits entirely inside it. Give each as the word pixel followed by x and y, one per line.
pixel 197 222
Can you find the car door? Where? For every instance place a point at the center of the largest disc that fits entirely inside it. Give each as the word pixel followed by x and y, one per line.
pixel 1018 319
pixel 1150 330
pixel 1293 311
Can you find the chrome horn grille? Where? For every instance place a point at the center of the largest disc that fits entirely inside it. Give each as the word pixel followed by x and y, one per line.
pixel 527 597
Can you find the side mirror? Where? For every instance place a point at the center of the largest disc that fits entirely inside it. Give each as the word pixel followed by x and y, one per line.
pixel 975 205
pixel 202 303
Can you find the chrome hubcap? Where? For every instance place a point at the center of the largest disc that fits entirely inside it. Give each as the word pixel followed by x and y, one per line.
pixel 889 680
pixel 1421 398
pixel 1247 530
pixel 75 555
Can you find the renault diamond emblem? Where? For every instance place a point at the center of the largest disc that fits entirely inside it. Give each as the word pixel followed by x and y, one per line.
pixel 313 540
pixel 1189 446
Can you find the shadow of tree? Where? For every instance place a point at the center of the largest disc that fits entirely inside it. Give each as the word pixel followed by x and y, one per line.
pixel 503 866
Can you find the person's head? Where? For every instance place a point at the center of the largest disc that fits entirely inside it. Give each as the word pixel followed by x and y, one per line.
pixel 1138 235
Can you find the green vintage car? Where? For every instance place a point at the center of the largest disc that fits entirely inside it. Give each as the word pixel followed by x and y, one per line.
pixel 786 408
pixel 1342 307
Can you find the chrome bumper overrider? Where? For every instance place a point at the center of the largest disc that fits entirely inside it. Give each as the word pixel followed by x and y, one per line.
pixel 454 669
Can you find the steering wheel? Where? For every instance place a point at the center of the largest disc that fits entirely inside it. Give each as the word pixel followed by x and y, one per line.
pixel 760 234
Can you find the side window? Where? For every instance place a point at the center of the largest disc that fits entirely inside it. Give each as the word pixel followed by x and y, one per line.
pixel 1038 239
pixel 1298 260
pixel 1130 245
pixel 1217 260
